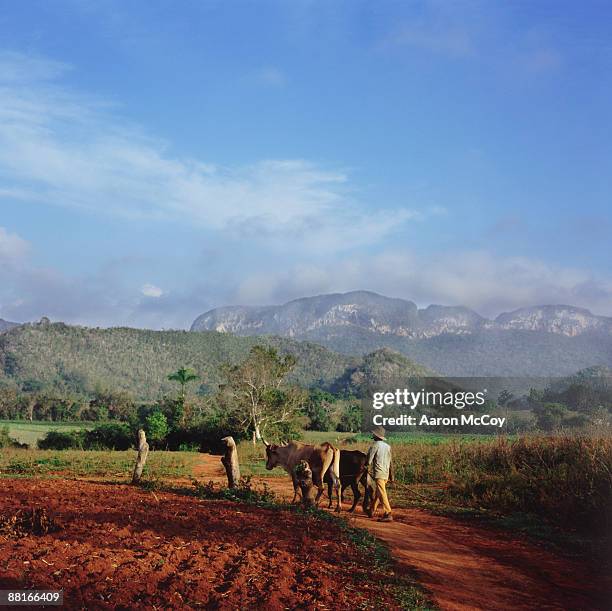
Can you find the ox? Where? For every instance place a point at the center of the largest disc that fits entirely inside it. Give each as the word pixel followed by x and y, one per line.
pixel 352 472
pixel 321 460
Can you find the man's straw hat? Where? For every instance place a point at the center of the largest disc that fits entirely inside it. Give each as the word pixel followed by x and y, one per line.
pixel 379 432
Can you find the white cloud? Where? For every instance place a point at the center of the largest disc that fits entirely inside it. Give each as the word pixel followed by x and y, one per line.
pixel 12 247
pixel 61 148
pixel 97 298
pixel 487 284
pixel 150 290
pixel 475 279
pixel 19 68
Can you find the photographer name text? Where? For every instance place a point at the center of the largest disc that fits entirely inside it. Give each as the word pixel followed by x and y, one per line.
pixel 425 420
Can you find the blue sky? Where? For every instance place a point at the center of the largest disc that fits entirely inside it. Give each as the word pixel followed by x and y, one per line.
pixel 158 159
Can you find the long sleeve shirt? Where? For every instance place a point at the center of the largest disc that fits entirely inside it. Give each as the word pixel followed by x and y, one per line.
pixel 379 460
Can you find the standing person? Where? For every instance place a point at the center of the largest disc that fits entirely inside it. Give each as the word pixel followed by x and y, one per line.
pixel 380 470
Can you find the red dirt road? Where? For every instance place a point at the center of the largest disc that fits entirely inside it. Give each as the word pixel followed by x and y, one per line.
pixel 465 567
pixel 471 567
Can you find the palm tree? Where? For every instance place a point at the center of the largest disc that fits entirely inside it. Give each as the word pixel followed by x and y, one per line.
pixel 183 376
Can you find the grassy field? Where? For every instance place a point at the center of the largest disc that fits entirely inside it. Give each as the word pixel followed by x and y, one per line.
pixel 563 480
pixel 28 432
pixel 81 463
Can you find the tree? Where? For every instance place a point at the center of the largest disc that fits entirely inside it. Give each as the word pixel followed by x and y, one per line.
pixel 177 412
pixel 156 426
pixel 10 407
pixel 255 391
pixel 183 376
pixel 535 397
pixel 106 403
pixel 318 408
pixel 550 416
pixel 31 385
pixel 351 419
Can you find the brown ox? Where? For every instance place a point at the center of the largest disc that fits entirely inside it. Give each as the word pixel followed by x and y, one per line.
pixel 352 473
pixel 321 460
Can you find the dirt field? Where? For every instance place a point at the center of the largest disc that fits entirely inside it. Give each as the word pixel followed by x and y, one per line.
pixel 117 546
pixel 122 547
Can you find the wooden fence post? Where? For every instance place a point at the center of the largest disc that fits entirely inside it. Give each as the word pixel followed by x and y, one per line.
pixel 143 451
pixel 230 462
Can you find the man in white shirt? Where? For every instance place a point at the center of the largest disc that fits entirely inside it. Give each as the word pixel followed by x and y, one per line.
pixel 380 470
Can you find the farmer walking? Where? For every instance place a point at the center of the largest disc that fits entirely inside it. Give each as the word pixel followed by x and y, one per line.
pixel 380 470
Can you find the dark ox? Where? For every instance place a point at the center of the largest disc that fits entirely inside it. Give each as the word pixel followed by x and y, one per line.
pixel 352 472
pixel 322 460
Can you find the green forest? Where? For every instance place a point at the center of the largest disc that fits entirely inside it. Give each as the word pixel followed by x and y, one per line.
pixel 56 372
pixel 185 388
pixel 81 360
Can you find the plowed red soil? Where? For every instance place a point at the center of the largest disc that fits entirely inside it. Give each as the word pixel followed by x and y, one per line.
pixel 119 547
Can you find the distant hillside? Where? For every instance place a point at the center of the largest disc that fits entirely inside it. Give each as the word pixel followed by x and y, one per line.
pixel 541 340
pixel 499 353
pixel 5 325
pixel 139 360
pixel 380 369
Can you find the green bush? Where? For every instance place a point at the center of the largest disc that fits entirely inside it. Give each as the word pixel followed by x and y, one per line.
pixel 244 492
pixel 205 436
pixel 110 436
pixel 156 427
pixel 351 419
pixel 318 409
pixel 6 441
pixel 189 447
pixel 62 440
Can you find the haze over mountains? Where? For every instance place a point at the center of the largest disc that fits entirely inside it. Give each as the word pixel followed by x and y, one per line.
pixel 5 325
pixel 452 341
pixel 539 340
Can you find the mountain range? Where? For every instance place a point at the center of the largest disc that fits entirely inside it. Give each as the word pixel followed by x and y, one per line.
pixel 453 340
pixel 330 334
pixel 5 325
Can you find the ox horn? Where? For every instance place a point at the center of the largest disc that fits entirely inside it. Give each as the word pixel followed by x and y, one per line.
pixel 265 443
